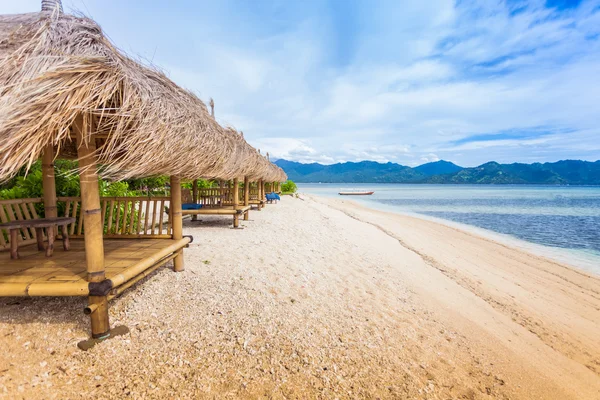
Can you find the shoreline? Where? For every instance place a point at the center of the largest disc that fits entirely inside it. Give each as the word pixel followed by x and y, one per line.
pixel 484 246
pixel 505 240
pixel 321 298
pixel 587 261
pixel 576 258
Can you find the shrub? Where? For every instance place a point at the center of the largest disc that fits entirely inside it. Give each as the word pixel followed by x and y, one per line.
pixel 289 187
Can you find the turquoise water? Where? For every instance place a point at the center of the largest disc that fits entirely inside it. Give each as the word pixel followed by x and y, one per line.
pixel 562 222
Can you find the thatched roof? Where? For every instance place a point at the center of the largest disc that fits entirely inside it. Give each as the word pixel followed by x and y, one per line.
pixel 247 161
pixel 54 67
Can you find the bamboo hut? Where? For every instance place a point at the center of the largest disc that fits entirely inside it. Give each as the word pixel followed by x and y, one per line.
pixel 247 166
pixel 67 92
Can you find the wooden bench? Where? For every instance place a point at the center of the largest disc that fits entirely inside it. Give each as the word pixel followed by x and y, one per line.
pixel 257 203
pixel 38 224
pixel 227 210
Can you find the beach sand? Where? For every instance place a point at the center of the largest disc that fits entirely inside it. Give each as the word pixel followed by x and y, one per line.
pixel 323 298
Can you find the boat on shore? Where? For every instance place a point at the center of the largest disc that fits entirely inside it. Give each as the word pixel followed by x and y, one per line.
pixel 356 193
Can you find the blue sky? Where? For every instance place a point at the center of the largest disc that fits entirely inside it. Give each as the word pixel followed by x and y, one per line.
pixel 401 81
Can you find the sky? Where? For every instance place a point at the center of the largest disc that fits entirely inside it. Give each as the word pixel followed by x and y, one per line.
pixel 407 81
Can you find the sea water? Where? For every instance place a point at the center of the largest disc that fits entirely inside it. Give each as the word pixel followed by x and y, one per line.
pixel 561 222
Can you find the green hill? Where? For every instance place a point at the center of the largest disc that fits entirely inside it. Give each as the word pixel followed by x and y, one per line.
pixel 567 172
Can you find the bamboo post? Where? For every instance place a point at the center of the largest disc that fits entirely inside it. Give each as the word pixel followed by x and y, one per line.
pixel 246 196
pixel 261 193
pixel 221 191
pixel 257 195
pixel 236 202
pixel 49 189
pixel 177 220
pixel 49 182
pixel 195 196
pixel 92 222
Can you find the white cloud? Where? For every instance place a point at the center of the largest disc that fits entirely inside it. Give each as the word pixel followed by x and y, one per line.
pixel 431 157
pixel 394 81
pixel 292 149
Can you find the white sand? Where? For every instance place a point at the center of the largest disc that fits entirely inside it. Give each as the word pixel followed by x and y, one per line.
pixel 311 301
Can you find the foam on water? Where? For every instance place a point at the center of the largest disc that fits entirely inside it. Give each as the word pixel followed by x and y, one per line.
pixel 560 222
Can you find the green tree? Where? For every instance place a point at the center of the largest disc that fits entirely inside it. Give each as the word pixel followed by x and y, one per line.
pixel 149 185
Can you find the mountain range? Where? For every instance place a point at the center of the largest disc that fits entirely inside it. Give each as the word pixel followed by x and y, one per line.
pixel 566 172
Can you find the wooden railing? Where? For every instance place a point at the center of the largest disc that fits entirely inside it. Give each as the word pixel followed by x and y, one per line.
pixel 135 216
pixel 254 192
pixel 19 210
pixel 215 197
pixel 124 217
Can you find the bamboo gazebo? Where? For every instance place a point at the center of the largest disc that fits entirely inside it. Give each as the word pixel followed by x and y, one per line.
pixel 230 199
pixel 66 91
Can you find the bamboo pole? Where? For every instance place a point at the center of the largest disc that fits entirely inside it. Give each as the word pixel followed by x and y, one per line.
pixel 49 182
pixel 119 290
pixel 177 220
pixel 49 188
pixel 259 190
pixel 263 198
pixel 236 201
pixel 246 196
pixel 236 192
pixel 195 196
pixel 91 214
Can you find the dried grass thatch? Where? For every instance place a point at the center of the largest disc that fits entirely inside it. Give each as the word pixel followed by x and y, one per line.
pixel 247 161
pixel 55 67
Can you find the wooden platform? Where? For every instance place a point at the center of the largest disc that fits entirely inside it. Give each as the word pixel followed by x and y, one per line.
pixel 257 203
pixel 227 210
pixel 64 273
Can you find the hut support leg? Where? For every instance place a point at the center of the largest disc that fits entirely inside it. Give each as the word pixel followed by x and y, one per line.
pixel 99 317
pixel 246 196
pixel 48 187
pixel 195 196
pixel 97 309
pixel 236 202
pixel 178 265
pixel 260 189
pixel 94 244
pixel 48 182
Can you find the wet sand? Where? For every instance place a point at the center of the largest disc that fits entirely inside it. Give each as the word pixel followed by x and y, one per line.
pixel 323 298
